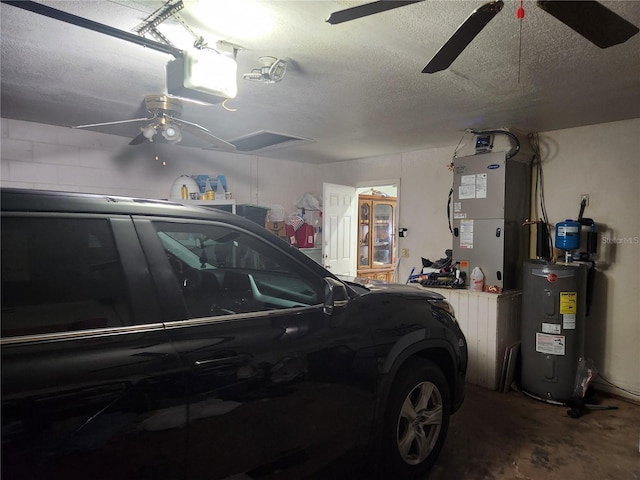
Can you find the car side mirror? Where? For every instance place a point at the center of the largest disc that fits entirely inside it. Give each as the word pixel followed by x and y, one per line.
pixel 335 295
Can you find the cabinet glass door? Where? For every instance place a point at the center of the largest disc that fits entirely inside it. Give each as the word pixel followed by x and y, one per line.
pixel 363 235
pixel 382 247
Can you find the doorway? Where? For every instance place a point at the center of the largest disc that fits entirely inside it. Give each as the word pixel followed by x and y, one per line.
pixel 339 227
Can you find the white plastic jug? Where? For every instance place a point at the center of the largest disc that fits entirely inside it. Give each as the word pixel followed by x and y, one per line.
pixel 477 279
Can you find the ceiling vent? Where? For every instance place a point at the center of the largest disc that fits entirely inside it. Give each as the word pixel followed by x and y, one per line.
pixel 264 141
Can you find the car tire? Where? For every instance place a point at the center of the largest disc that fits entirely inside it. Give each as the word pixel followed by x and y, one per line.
pixel 416 420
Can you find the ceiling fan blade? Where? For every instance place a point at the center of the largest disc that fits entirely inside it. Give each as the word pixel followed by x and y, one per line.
pixel 138 139
pixel 463 36
pixel 204 134
pixel 365 10
pixel 117 122
pixel 592 20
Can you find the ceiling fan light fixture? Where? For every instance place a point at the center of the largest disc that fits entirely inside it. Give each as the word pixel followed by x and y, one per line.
pixel 171 133
pixel 148 131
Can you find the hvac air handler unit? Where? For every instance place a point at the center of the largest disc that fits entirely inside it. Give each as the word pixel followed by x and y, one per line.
pixel 491 200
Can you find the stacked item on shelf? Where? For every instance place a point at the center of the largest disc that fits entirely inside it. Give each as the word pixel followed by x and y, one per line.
pixel 439 274
pixel 199 187
pixel 296 230
pixel 275 221
pixel 305 233
pixel 212 186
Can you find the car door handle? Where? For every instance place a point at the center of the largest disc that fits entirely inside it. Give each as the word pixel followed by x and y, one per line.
pixel 221 362
pixel 294 331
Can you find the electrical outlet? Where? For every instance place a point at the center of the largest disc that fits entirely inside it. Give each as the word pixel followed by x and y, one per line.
pixel 404 252
pixel 585 197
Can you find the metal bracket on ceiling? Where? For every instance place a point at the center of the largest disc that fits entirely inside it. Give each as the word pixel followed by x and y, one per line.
pixel 229 47
pixel 160 37
pixel 150 24
pixel 172 10
pixel 159 16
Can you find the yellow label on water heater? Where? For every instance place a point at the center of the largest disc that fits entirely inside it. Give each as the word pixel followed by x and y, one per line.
pixel 568 302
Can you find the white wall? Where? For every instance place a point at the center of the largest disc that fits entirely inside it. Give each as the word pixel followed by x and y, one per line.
pixel 601 160
pixel 604 162
pixel 48 157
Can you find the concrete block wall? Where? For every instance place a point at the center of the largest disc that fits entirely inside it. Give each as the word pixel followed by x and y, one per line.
pixel 42 156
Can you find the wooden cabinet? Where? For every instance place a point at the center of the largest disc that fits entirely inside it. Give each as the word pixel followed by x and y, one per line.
pixel 491 323
pixel 376 237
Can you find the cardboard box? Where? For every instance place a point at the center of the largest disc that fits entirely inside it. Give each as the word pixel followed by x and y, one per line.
pixel 277 228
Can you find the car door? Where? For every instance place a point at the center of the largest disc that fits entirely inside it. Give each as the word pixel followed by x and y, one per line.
pixel 275 384
pixel 91 385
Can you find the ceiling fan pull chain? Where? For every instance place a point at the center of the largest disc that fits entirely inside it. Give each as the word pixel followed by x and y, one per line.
pixel 520 12
pixel 520 16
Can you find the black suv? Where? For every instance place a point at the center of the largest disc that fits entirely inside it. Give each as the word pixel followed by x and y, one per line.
pixel 145 339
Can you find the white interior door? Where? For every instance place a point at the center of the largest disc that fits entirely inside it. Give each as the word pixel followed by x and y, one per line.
pixel 339 228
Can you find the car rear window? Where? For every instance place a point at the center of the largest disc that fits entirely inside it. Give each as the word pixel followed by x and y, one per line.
pixel 60 274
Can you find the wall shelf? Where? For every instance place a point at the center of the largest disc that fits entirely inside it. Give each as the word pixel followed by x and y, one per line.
pixel 226 205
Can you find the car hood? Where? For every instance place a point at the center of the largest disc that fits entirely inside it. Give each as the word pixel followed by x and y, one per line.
pixel 403 290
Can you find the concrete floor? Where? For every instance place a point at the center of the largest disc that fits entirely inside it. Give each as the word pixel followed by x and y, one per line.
pixel 509 436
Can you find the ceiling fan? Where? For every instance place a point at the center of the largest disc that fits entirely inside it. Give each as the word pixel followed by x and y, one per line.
pixel 591 19
pixel 164 112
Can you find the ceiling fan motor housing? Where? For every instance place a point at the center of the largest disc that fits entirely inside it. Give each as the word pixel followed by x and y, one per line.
pixel 157 104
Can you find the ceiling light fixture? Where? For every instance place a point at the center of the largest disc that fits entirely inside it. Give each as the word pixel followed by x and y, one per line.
pixel 272 70
pixel 205 75
pixel 198 73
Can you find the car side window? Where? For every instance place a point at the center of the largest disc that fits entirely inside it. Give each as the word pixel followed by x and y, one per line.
pixel 60 274
pixel 223 271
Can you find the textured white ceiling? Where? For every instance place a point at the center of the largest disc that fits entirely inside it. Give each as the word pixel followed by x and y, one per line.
pixel 355 88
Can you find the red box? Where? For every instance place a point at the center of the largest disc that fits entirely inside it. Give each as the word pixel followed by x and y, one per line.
pixel 305 236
